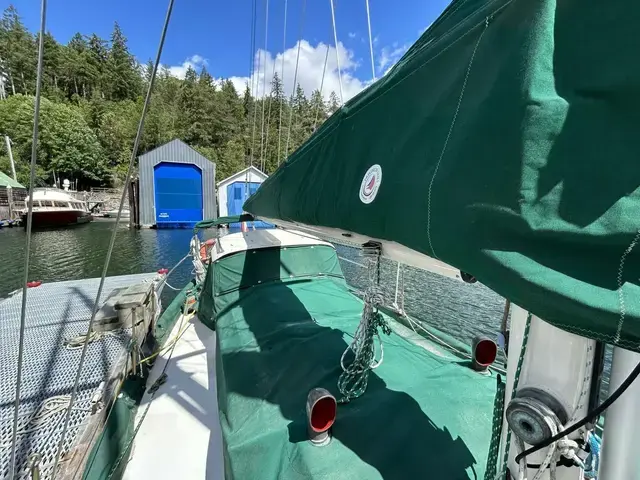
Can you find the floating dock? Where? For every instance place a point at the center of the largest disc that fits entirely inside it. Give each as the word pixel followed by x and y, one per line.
pixel 57 312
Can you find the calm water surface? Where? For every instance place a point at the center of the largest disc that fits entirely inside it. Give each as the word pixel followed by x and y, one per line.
pixel 74 253
pixel 459 309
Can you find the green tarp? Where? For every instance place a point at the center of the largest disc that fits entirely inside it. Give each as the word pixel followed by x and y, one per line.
pixel 7 181
pixel 245 217
pixel 508 146
pixel 230 272
pixel 425 414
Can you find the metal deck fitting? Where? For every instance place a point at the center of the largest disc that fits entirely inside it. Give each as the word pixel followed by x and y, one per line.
pixel 55 312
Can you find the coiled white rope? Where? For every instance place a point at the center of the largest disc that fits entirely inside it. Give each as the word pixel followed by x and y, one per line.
pixel 44 415
pixel 78 341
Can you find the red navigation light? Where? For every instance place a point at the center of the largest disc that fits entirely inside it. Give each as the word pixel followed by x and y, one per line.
pixel 484 351
pixel 321 415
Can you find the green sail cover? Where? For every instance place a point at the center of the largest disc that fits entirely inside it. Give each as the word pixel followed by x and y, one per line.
pixel 508 145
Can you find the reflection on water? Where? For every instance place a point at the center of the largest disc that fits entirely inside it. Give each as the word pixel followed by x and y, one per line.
pixel 75 253
pixel 79 252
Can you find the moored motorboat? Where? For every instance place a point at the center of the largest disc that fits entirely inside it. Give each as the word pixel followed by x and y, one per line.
pixel 55 208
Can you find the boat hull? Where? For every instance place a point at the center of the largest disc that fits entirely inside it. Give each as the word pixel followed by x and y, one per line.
pixel 62 218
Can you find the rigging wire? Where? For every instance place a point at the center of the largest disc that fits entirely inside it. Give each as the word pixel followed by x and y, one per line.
pixel 32 180
pixel 114 232
pixel 266 140
pixel 284 46
pixel 324 70
pixel 295 77
pixel 335 37
pixel 273 75
pixel 373 68
pixel 264 81
pixel 254 88
pixel 252 42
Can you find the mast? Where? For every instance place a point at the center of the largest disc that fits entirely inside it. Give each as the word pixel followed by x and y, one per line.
pixel 623 417
pixel 7 142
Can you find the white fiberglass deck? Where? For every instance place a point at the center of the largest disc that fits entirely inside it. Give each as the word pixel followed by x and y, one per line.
pixel 180 433
pixel 262 238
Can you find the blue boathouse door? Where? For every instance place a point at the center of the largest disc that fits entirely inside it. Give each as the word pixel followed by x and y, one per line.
pixel 178 195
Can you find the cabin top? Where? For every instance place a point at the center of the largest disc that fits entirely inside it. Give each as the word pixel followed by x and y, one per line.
pixel 263 238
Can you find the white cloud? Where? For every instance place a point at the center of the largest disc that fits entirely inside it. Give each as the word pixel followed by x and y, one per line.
pixel 195 61
pixel 352 34
pixel 310 68
pixel 390 55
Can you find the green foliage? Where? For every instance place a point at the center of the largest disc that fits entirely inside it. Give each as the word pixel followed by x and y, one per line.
pixel 93 93
pixel 66 144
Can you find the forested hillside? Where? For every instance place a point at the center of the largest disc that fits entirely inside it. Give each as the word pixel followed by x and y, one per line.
pixel 93 93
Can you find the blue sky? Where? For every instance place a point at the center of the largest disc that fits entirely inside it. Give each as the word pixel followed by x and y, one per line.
pixel 218 34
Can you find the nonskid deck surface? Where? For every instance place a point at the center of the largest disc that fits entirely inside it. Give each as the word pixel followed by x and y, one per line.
pixel 425 413
pixel 55 312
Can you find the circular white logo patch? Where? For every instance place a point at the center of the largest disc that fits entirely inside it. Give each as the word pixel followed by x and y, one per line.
pixel 370 184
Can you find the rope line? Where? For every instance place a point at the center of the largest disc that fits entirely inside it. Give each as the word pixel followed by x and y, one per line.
pixel 32 181
pixel 516 380
pixel 114 232
pixel 354 378
pixel 496 431
pixel 592 462
pixel 446 141
pixel 295 78
pixel 284 47
pixel 78 341
pixel 335 38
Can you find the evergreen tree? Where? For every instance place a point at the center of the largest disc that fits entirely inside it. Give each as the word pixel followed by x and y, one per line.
pixel 334 104
pixel 17 53
pixel 318 109
pixel 97 59
pixel 92 101
pixel 121 72
pixel 205 79
pixel 52 59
